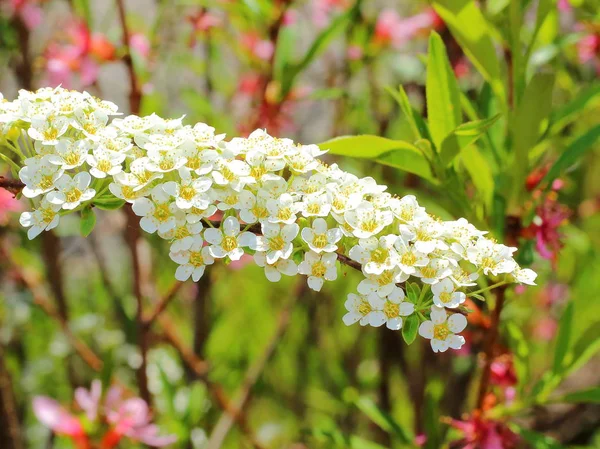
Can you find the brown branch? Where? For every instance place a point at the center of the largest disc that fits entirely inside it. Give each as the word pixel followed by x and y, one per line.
pixel 254 371
pixel 10 428
pixel 162 303
pixel 14 186
pixel 490 346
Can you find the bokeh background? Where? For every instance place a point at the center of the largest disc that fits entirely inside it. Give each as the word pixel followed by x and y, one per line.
pixel 310 70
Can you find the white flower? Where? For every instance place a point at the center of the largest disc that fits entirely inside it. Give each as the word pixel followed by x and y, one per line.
pixel 382 284
pixel 39 176
pixel 276 241
pixel 233 199
pixel 445 294
pixel 45 217
pixel 424 234
pixel 90 124
pixel 262 168
pixel 491 257
pixel 70 153
pixel 274 271
pixel 126 193
pixel 230 171
pixel 227 241
pixel 318 268
pixel 282 210
pixel 105 162
pixel 389 310
pixel 358 308
pixel 366 220
pixel 158 213
pixel 319 238
pixel 255 209
pixel 72 191
pixel 435 270
pixel 406 209
pixel 376 255
pixel 441 331
pixel 189 192
pixel 48 130
pixel 192 261
pixel 315 205
pixel 132 124
pixel 195 214
pixel 182 235
pixel 410 258
pixel 524 276
pixel 462 278
pixel 462 231
pixel 140 175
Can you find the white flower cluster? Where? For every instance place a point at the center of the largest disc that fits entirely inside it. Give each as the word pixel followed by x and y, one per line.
pixel 274 199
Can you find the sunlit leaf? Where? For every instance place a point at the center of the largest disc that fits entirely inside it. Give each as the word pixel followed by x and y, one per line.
pixel 383 420
pixel 88 221
pixel 463 136
pixel 410 326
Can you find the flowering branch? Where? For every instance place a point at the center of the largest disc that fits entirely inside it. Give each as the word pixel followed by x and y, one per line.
pixel 14 186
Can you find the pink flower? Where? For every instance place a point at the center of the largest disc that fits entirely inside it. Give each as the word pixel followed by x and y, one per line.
pixel 140 44
pixel 52 415
pixel 260 48
pixel 503 372
pixel 588 47
pixel 545 329
pixel 323 9
pixel 392 29
pixel 28 11
pixel 8 203
pixel 564 5
pixel 89 400
pixel 354 52
pixel 482 433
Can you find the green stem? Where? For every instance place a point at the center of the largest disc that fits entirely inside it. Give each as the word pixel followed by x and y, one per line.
pixel 481 290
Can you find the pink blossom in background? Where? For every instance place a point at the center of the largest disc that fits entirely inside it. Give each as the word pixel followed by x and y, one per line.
pixel 503 372
pixel 28 11
pixel 545 329
pixel 202 21
pixel 391 29
pixel 140 44
pixel 354 52
pixel 258 47
pixel 123 417
pixel 462 68
pixel 588 48
pixel 76 56
pixel 250 83
pixel 564 5
pixel 482 433
pixel 8 204
pixel 322 10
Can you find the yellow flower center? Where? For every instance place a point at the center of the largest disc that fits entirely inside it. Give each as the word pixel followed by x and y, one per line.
pixel 407 214
pixel 128 192
pixel 391 310
pixel 369 225
pixel 47 214
pixel 50 134
pixel 408 259
pixel 285 213
pixel 488 262
pixel 313 208
pixel 89 128
pixel 320 241
pixel 385 278
pixel 166 163
pixel 73 195
pixel 380 255
pixel 194 163
pixel 196 258
pixel 104 165
pixel 72 158
pixel 445 297
pixel 259 212
pixel 187 193
pixel 441 331
pixel 276 243
pixel 231 199
pixel 46 182
pixel 364 307
pixel 338 204
pixel 258 172
pixel 423 236
pixel 227 174
pixel 428 272
pixel 144 176
pixel 318 269
pixel 182 232
pixel 229 243
pixel 162 212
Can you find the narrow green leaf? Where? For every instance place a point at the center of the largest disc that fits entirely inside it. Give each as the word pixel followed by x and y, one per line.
pixel 414 119
pixel 529 117
pixel 590 396
pixel 413 292
pixel 586 347
pixel 469 27
pixel 88 221
pixel 109 203
pixel 563 339
pixel 383 419
pixel 463 136
pixel 520 348
pixel 536 440
pixel 480 172
pixel 572 154
pixel 565 114
pixel 395 153
pixel 410 326
pixel 83 10
pixel 443 95
pixel 544 7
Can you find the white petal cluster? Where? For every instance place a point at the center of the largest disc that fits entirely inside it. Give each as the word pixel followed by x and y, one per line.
pixel 278 202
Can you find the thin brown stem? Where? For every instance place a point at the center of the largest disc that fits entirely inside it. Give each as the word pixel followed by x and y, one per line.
pixel 135 94
pixel 14 186
pixel 162 303
pixel 490 347
pixel 10 428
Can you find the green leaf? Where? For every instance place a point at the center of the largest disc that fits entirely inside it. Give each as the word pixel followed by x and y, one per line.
pixel 413 292
pixel 336 26
pixel 563 339
pixel 544 7
pixel 109 203
pixel 383 420
pixel 520 348
pixel 88 221
pixel 462 137
pixel 480 172
pixel 572 154
pixel 83 10
pixel 587 346
pixel 469 28
pixel 527 124
pixel 395 153
pixel 414 119
pixel 536 440
pixel 589 396
pixel 410 327
pixel 443 95
pixel 335 438
pixel 565 114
